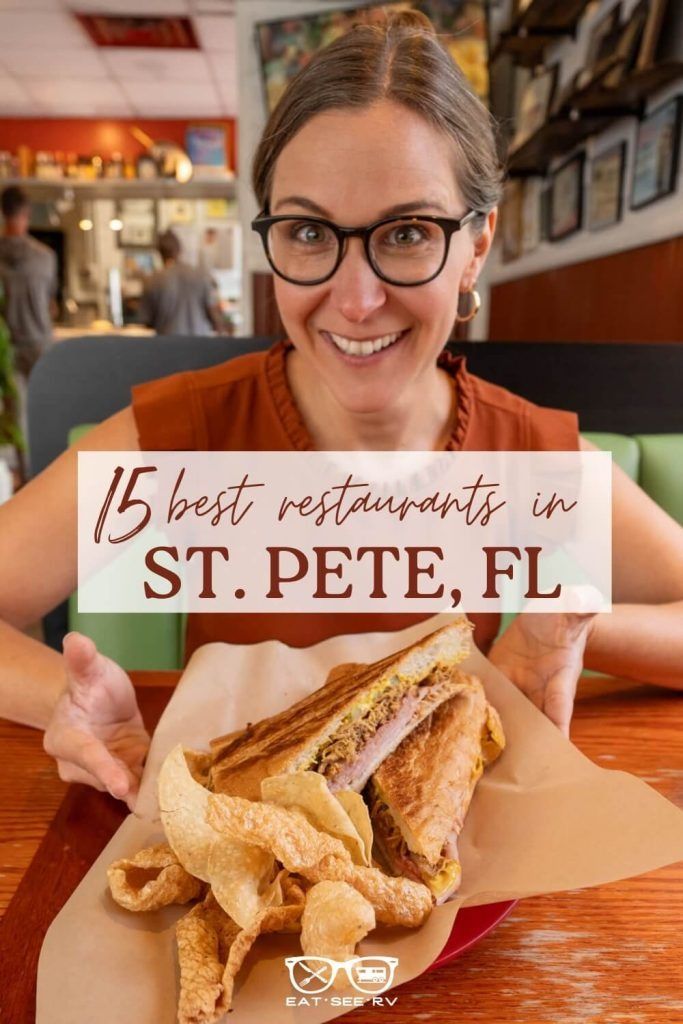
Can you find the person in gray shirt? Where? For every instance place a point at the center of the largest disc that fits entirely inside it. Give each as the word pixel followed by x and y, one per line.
pixel 179 299
pixel 28 270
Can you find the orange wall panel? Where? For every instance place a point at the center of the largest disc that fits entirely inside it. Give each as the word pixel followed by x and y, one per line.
pixel 632 296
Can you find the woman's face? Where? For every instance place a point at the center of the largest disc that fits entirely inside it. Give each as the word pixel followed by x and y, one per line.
pixel 353 168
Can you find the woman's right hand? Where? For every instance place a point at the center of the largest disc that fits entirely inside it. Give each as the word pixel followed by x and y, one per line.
pixel 96 732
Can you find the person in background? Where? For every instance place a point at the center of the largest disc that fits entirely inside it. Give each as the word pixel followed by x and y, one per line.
pixel 180 299
pixel 28 270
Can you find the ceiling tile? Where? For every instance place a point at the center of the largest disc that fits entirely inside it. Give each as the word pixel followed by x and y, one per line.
pixel 215 32
pixel 38 63
pixel 172 99
pixel 30 5
pixel 71 96
pixel 213 6
pixel 142 65
pixel 223 66
pixel 13 99
pixel 228 95
pixel 136 8
pixel 22 28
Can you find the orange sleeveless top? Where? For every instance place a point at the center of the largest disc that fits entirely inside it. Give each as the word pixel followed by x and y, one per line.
pixel 245 404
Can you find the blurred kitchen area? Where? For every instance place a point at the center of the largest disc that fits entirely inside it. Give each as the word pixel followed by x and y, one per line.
pixel 118 129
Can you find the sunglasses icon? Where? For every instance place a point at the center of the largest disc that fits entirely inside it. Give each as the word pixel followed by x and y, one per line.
pixel 370 975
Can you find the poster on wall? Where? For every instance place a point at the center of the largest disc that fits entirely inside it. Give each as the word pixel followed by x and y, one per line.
pixel 606 182
pixel 531 214
pixel 656 159
pixel 138 217
pixel 566 199
pixel 206 147
pixel 286 45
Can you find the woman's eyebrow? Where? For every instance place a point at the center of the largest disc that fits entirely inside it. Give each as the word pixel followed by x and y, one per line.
pixel 392 211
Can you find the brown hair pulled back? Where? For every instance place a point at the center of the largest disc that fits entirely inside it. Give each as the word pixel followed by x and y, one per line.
pixel 403 61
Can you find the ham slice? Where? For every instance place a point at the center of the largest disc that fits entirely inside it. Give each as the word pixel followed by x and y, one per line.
pixel 354 774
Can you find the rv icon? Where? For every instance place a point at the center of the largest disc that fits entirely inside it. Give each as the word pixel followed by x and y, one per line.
pixel 366 974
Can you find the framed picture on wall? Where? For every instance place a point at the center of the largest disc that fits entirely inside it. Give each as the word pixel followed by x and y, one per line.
pixel 656 158
pixel 287 44
pixel 566 199
pixel 139 220
pixel 627 45
pixel 511 220
pixel 531 214
pixel 651 32
pixel 534 105
pixel 606 183
pixel 601 55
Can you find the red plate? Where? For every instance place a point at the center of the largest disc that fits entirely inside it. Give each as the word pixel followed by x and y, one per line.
pixel 471 925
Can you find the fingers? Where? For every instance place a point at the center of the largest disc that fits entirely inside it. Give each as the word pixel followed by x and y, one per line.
pixel 80 653
pixel 558 704
pixel 71 773
pixel 79 753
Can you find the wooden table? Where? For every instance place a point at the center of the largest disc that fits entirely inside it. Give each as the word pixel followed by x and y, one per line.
pixel 612 955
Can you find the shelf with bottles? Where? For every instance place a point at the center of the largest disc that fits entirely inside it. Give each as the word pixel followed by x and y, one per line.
pixel 163 166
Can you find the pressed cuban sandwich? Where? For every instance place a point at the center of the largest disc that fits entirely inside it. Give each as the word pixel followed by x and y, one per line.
pixel 345 729
pixel 420 794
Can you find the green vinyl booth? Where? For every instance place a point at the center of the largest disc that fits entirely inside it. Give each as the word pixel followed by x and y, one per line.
pixel 156 640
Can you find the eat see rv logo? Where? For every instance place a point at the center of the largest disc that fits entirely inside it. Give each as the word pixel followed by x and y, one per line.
pixel 312 976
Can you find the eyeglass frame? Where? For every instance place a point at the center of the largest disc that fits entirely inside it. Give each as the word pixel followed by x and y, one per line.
pixel 390 962
pixel 449 225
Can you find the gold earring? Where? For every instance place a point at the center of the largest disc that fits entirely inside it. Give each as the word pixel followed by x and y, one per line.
pixel 476 306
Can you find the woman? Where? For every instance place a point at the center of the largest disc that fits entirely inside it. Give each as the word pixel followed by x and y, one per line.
pixel 379 126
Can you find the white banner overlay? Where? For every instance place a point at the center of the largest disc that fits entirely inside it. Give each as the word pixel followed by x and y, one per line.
pixel 344 531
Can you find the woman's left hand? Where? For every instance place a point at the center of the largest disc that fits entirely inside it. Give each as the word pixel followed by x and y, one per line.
pixel 543 655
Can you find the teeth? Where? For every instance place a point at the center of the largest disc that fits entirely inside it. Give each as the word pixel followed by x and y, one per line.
pixel 364 348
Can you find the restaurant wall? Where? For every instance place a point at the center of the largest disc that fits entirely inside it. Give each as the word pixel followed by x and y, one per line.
pixel 615 284
pixel 104 137
pixel 631 296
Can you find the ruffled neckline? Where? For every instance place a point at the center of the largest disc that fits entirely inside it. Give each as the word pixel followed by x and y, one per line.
pixel 297 431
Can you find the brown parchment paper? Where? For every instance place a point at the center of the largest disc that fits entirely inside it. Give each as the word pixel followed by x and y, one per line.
pixel 544 818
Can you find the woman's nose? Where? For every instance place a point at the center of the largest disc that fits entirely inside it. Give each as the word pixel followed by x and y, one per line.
pixel 356 291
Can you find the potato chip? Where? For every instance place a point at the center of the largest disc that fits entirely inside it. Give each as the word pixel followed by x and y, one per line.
pixel 212 949
pixel 335 919
pixel 153 878
pixel 357 810
pixel 183 804
pixel 242 879
pixel 397 901
pixel 205 937
pixel 286 833
pixel 308 791
pixel 272 919
pixel 303 849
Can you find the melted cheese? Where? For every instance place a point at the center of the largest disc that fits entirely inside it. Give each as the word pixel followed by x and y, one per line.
pixel 447 876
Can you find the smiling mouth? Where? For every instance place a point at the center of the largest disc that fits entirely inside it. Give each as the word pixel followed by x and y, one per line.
pixel 369 347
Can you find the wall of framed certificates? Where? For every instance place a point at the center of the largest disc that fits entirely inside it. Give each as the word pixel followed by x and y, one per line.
pixel 615 184
pixel 591 191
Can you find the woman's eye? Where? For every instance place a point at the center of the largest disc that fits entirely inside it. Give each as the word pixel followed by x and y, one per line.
pixel 405 235
pixel 308 233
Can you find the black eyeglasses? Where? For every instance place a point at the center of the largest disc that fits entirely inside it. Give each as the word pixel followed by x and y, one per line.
pixel 405 251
